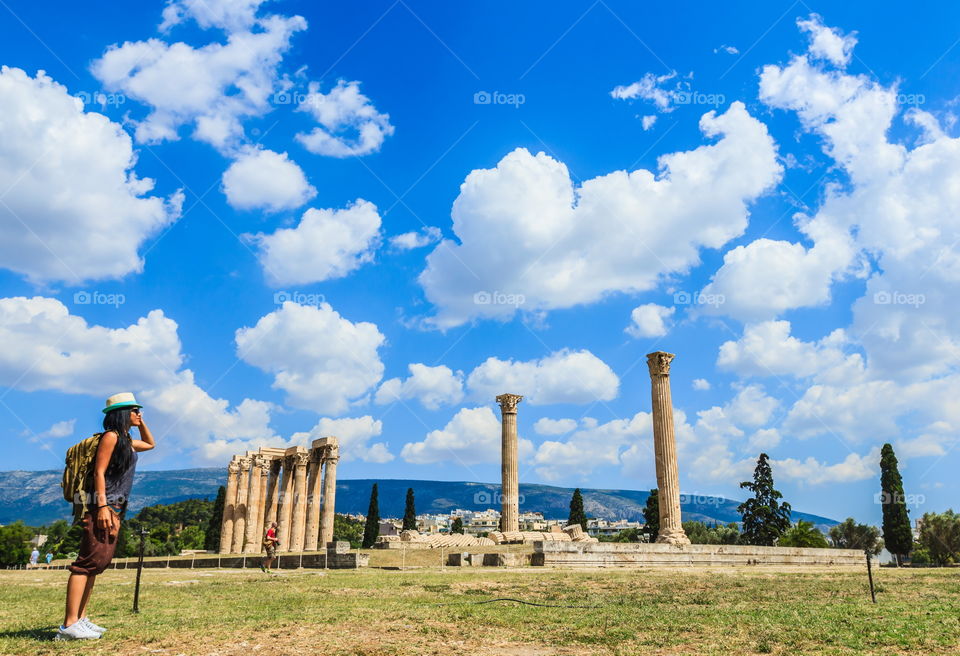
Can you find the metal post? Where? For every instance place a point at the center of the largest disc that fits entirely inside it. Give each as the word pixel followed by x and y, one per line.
pixel 136 589
pixel 873 595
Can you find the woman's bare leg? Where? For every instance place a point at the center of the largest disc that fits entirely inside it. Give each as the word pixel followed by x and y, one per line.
pixel 77 592
pixel 86 596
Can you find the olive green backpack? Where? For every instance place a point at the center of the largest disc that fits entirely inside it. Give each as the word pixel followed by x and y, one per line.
pixel 78 474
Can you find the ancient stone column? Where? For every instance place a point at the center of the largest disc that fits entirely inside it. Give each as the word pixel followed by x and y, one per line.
pixel 330 460
pixel 665 450
pixel 510 488
pixel 300 461
pixel 262 506
pixel 258 474
pixel 271 502
pixel 240 510
pixel 229 507
pixel 314 481
pixel 286 504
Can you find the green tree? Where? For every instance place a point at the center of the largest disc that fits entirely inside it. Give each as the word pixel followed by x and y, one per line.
pixel 15 544
pixel 651 515
pixel 764 517
pixel 803 534
pixel 212 539
pixel 192 537
pixel 940 537
pixel 897 535
pixel 457 526
pixel 348 529
pixel 410 512
pixel 372 528
pixel 577 515
pixel 627 535
pixel 848 534
pixel 700 533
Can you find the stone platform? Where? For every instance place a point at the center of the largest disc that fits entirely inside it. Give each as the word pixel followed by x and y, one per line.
pixel 316 560
pixel 621 554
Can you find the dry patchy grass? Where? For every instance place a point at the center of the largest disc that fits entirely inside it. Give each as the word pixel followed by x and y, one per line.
pixel 379 613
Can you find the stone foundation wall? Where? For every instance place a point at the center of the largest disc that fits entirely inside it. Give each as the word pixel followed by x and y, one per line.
pixel 235 561
pixel 616 554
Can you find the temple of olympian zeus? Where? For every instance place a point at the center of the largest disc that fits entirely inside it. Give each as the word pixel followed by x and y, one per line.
pixel 664 449
pixel 295 487
pixel 254 497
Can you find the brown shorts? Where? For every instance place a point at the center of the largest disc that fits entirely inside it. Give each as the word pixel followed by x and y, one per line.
pixel 271 549
pixel 96 548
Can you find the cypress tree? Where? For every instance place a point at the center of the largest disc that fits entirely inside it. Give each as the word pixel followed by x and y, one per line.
pixel 897 536
pixel 577 515
pixel 410 513
pixel 212 540
pixel 651 515
pixel 765 518
pixel 457 526
pixel 372 528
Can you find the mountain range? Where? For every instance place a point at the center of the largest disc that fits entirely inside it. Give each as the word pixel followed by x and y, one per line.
pixel 36 498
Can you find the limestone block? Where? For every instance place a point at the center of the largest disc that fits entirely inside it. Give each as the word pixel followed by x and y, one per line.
pixel 575 531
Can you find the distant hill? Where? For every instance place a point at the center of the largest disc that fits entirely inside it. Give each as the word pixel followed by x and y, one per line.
pixel 35 497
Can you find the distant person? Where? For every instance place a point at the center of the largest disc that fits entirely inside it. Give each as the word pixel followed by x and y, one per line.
pixel 113 469
pixel 49 558
pixel 270 543
pixel 34 557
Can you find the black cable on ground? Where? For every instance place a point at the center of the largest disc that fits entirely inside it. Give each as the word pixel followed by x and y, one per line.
pixel 519 601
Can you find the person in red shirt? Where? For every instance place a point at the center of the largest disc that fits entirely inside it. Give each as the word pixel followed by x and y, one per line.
pixel 270 543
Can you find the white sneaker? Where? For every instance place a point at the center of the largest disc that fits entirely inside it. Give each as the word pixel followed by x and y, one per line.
pixel 93 627
pixel 76 631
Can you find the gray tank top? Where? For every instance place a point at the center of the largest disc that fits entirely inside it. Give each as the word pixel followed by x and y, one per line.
pixel 119 485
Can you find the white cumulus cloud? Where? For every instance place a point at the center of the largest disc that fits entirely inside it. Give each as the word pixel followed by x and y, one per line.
pixel 264 179
pixel 342 110
pixel 326 244
pixel 432 386
pixel 564 376
pixel 73 208
pixel 618 232
pixel 321 360
pixel 471 437
pixel 353 435
pixel 649 320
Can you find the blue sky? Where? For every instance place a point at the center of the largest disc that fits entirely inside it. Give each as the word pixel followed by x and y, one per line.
pixel 787 228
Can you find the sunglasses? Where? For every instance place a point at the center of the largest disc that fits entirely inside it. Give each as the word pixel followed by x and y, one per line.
pixel 135 410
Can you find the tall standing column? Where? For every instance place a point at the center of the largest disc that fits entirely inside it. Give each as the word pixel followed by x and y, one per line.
pixel 271 501
pixel 665 450
pixel 510 487
pixel 258 474
pixel 314 482
pixel 229 507
pixel 240 510
pixel 330 460
pixel 300 461
pixel 286 504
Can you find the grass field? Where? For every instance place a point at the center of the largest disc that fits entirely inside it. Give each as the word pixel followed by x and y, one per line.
pixel 378 612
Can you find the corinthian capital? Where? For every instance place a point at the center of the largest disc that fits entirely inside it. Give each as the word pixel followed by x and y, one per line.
pixel 659 363
pixel 233 467
pixel 244 463
pixel 301 459
pixel 508 402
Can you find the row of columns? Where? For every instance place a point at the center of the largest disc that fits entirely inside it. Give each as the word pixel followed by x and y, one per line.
pixel 664 447
pixel 294 487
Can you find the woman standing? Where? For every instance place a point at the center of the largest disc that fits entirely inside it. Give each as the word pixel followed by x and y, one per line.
pixel 113 470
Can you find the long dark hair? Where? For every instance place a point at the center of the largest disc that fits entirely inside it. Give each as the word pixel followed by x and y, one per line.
pixel 118 421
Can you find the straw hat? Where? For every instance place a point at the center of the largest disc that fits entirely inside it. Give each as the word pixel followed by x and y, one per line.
pixel 121 400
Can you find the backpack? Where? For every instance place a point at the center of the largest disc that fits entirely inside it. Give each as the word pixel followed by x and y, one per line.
pixel 78 474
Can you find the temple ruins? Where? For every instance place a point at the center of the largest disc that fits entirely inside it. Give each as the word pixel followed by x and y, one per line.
pixel 295 487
